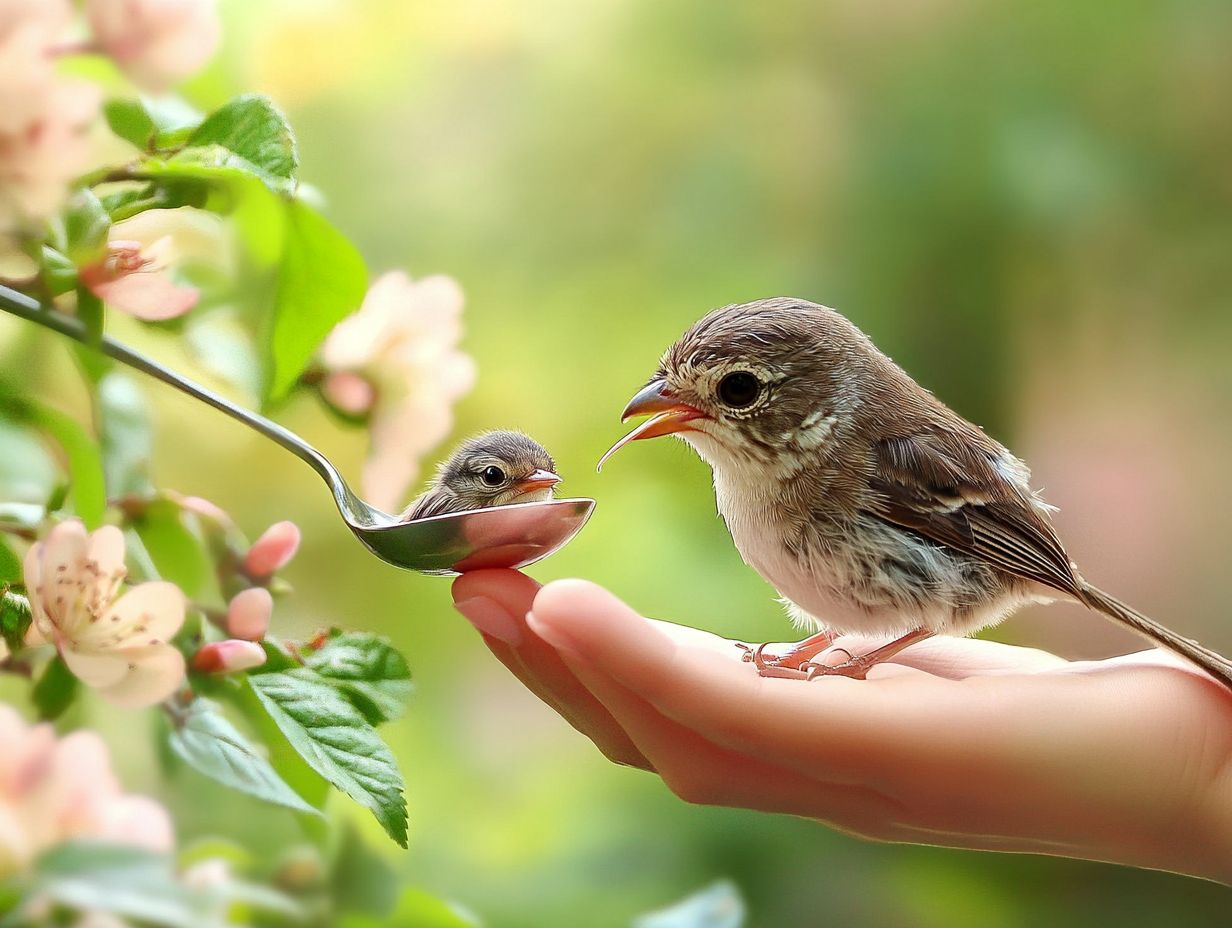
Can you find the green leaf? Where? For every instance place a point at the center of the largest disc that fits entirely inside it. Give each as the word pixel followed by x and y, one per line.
pixel 130 120
pixel 86 225
pixel 218 180
pixel 14 618
pixel 121 880
pixel 210 178
pixel 178 553
pixel 130 200
pixel 59 271
pixel 253 128
pixel 94 364
pixel 10 564
pixel 322 280
pixel 335 740
pixel 360 879
pixel 139 885
pixel 27 469
pixel 208 742
pixel 125 443
pixel 85 464
pixel 416 909
pixel 719 905
pixel 152 123
pixel 55 690
pixel 368 671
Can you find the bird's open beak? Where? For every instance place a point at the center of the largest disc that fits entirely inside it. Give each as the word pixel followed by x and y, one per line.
pixel 539 480
pixel 667 416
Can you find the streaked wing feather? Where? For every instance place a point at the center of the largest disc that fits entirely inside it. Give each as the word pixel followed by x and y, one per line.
pixel 433 503
pixel 948 489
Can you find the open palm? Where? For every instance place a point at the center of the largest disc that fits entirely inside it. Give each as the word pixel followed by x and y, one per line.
pixel 958 742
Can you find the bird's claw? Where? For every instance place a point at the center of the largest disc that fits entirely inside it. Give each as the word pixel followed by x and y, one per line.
pixel 774 668
pixel 767 664
pixel 853 667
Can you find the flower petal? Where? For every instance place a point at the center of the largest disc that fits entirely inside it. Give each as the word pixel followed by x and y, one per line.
pixel 147 614
pixel 170 236
pixel 64 549
pixel 64 587
pixel 33 572
pixel 149 295
pixel 154 672
pixel 94 668
pixel 398 437
pixel 105 559
pixel 106 549
pixel 80 783
pixel 137 821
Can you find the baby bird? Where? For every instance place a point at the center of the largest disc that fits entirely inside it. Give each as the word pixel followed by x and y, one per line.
pixel 488 469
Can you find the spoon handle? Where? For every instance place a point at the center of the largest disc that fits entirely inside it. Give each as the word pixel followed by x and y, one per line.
pixel 28 308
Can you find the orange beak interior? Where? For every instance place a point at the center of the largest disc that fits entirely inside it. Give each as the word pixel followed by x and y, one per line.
pixel 539 480
pixel 667 416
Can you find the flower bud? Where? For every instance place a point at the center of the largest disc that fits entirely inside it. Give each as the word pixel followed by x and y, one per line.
pixel 273 550
pixel 349 392
pixel 204 508
pixel 230 656
pixel 211 873
pixel 248 613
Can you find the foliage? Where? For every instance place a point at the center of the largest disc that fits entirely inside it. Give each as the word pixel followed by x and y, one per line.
pixel 279 721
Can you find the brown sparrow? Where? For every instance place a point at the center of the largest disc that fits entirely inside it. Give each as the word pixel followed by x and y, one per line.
pixel 489 469
pixel 871 506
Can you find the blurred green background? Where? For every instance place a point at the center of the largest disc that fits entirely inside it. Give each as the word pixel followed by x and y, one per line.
pixel 1027 205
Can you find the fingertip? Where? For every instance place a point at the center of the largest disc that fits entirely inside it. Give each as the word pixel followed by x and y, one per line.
pixel 495 583
pixel 564 598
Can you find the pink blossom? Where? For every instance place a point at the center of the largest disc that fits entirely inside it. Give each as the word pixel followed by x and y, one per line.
pixel 404 342
pixel 203 508
pixel 135 274
pixel 229 656
pixel 60 790
pixel 156 42
pixel 349 392
pixel 273 550
pixel 29 31
pixel 38 161
pixel 120 646
pixel 248 613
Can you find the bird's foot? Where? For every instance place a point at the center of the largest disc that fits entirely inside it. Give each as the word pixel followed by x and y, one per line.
pixel 792 660
pixel 857 667
pixel 848 666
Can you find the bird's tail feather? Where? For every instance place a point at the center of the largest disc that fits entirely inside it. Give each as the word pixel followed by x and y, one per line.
pixel 1212 662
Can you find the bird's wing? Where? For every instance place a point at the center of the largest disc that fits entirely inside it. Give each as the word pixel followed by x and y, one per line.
pixel 436 502
pixel 949 488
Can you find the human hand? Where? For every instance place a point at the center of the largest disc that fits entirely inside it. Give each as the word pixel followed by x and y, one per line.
pixel 957 742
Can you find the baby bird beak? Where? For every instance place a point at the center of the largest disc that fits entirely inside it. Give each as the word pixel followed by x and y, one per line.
pixel 667 416
pixel 539 480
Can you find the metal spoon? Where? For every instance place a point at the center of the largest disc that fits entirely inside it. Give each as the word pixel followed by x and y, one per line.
pixel 503 536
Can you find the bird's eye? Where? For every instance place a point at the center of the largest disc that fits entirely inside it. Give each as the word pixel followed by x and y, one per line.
pixel 739 389
pixel 492 475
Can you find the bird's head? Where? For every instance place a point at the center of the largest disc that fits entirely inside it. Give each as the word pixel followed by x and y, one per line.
pixel 764 383
pixel 499 468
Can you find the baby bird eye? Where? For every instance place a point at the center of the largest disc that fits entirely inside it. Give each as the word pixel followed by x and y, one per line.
pixel 739 389
pixel 492 475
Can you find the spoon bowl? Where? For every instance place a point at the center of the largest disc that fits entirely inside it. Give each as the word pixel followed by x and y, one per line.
pixel 502 536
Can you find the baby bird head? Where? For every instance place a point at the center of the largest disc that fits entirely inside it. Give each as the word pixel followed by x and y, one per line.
pixel 498 468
